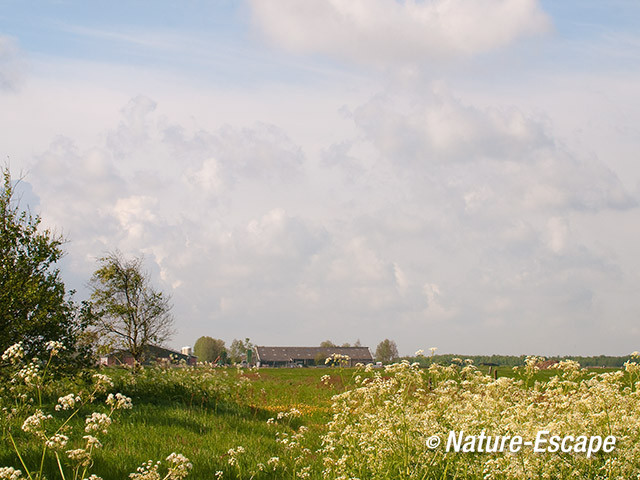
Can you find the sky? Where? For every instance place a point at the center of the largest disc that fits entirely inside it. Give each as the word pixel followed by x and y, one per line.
pixel 460 174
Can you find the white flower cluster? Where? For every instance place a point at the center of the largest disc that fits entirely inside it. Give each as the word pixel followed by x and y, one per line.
pixel 294 443
pixel 337 359
pixel 67 402
pixel 147 471
pixel 119 401
pixel 102 382
pixel 57 442
pixel 291 413
pixel 234 454
pixel 379 429
pixel 92 442
pixel 179 466
pixel 81 456
pixel 97 422
pixel 35 423
pixel 10 473
pixel 13 354
pixel 29 373
pixel 54 347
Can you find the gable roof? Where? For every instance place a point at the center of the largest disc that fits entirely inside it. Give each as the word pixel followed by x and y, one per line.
pixel 292 354
pixel 152 352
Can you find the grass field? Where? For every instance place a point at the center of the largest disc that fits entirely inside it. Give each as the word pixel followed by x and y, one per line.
pixel 206 414
pixel 176 417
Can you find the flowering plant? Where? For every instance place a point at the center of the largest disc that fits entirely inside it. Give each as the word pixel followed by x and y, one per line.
pixel 54 431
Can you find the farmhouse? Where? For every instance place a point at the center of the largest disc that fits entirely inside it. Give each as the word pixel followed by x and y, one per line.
pixel 153 353
pixel 306 356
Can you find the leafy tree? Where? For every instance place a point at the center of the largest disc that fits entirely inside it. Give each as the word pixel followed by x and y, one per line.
pixel 126 308
pixel 34 305
pixel 208 349
pixel 327 344
pixel 386 351
pixel 238 349
pixel 320 358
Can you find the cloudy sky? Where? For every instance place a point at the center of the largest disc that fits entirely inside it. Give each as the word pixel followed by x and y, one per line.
pixel 453 173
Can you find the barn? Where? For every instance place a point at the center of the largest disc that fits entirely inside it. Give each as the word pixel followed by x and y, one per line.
pixel 153 354
pixel 307 356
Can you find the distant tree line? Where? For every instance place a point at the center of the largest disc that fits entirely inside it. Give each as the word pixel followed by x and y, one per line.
pixel 214 350
pixel 514 361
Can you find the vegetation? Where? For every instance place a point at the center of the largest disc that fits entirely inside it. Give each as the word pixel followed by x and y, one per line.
pixel 209 349
pixel 386 351
pixel 513 360
pixel 239 348
pixel 330 344
pixel 34 305
pixel 315 423
pixel 126 308
pixel 329 423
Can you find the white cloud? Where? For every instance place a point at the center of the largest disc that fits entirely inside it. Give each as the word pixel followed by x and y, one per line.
pixel 488 156
pixel 435 310
pixel 391 31
pixel 420 216
pixel 12 64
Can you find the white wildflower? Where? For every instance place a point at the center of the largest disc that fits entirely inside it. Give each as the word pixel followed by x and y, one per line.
pixel 79 455
pixel 147 471
pixel 97 422
pixel 13 354
pixel 10 473
pixel 54 346
pixel 35 423
pixel 119 401
pixel 179 468
pixel 67 402
pixel 57 442
pixel 29 373
pixel 92 442
pixel 102 382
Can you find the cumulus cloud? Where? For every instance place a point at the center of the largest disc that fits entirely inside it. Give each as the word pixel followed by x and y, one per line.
pixel 480 206
pixel 12 65
pixel 391 31
pixel 406 224
pixel 441 128
pixel 489 155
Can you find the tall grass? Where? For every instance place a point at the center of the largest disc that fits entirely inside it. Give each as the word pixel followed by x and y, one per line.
pixel 330 423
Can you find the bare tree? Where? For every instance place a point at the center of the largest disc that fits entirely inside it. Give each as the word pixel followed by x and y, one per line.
pixel 126 308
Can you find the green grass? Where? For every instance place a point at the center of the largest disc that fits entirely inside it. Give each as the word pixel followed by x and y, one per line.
pixel 173 417
pixel 203 419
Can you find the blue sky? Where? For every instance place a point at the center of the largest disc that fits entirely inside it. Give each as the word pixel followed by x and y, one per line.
pixel 443 173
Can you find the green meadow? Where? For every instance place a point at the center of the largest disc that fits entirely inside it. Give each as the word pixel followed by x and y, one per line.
pixel 226 421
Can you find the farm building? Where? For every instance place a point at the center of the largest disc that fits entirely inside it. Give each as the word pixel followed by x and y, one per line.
pixel 306 356
pixel 153 354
